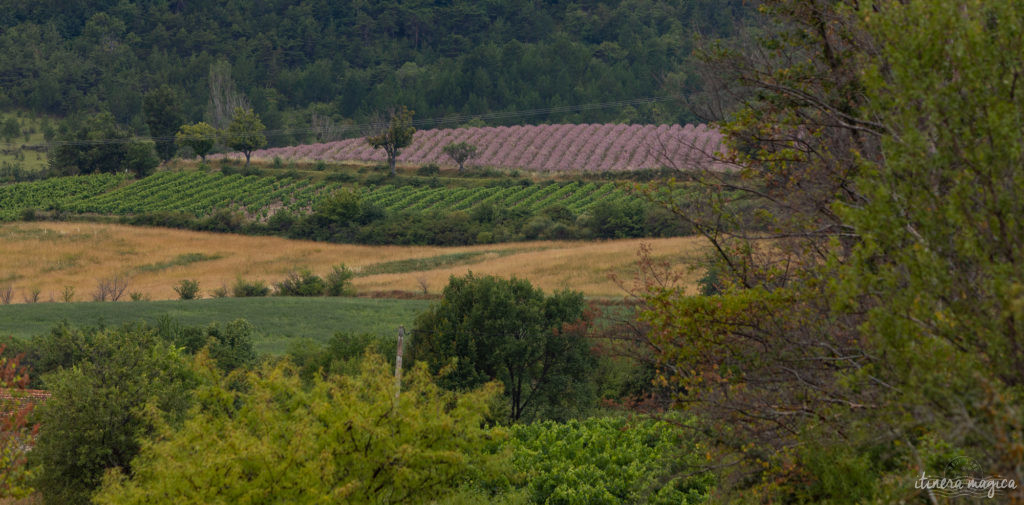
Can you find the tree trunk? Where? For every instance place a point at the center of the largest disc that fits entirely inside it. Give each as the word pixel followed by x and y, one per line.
pixel 247 154
pixel 391 162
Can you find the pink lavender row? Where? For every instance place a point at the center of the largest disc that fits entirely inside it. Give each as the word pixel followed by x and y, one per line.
pixel 594 147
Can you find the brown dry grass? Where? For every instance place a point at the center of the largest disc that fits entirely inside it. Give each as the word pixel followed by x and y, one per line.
pixel 49 256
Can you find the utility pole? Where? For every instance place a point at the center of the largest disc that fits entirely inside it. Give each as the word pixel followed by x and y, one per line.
pixel 398 363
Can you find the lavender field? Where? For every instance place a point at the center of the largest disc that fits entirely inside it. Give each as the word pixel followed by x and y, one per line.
pixel 550 148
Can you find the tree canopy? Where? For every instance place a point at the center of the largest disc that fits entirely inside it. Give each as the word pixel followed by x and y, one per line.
pixel 507 330
pixel 342 440
pixel 96 416
pixel 393 134
pixel 97 144
pixel 245 132
pixel 460 152
pixel 443 59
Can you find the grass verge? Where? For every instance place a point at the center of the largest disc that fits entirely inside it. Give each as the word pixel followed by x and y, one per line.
pixel 278 320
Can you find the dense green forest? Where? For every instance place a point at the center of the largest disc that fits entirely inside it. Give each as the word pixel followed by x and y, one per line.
pixel 345 60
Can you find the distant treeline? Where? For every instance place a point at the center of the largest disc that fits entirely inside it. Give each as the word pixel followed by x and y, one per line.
pixel 345 60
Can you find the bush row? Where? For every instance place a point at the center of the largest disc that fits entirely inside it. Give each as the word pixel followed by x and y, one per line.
pixel 347 219
pixel 300 282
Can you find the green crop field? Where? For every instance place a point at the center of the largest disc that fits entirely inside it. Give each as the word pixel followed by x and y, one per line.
pixel 52 193
pixel 200 193
pixel 278 320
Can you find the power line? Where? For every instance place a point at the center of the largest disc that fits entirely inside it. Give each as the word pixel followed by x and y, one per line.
pixel 427 122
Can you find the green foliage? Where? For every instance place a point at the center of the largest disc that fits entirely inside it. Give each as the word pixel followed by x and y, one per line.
pixel 339 281
pixel 428 170
pixel 51 193
pixel 457 58
pixel 393 135
pixel 232 347
pixel 507 329
pixel 141 158
pixel 602 461
pixel 188 289
pixel 944 287
pixel 114 395
pixel 300 283
pixel 10 129
pixel 162 109
pixel 245 133
pixel 16 406
pixel 278 321
pixel 97 144
pixel 246 288
pixel 342 440
pixel 199 137
pixel 341 354
pixel 460 152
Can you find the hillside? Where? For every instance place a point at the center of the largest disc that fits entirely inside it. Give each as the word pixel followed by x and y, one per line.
pixel 345 60
pixel 560 147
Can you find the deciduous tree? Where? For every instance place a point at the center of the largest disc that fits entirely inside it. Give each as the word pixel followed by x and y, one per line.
pixel 510 331
pixel 341 440
pixel 162 109
pixel 460 152
pixel 245 133
pixel 200 137
pixel 98 144
pixel 95 418
pixel 393 134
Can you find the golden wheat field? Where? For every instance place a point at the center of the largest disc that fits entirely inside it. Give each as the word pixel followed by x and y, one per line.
pixel 47 257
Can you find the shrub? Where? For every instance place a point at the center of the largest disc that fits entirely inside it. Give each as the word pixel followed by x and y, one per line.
pixel 428 170
pixel 300 283
pixel 245 289
pixel 221 292
pixel 111 288
pixel 339 281
pixel 188 289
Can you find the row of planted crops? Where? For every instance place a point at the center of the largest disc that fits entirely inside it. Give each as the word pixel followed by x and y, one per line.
pixel 200 193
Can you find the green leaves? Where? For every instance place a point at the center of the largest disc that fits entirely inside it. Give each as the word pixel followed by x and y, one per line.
pixel 200 137
pixel 95 417
pixel 393 135
pixel 507 330
pixel 606 461
pixel 245 133
pixel 344 440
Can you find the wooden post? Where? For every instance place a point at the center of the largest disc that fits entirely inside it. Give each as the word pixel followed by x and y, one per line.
pixel 398 362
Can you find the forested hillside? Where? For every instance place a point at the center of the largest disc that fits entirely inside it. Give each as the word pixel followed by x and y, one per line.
pixel 344 60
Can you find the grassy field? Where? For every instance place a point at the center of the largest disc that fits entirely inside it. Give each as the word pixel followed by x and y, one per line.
pixel 48 256
pixel 31 133
pixel 278 320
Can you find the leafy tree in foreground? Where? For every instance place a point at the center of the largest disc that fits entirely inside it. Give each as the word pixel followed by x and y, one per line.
pixel 843 382
pixel 393 135
pixel 245 133
pixel 460 152
pixel 509 331
pixel 162 110
pixel 200 137
pixel 94 419
pixel 344 440
pixel 940 264
pixel 608 462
